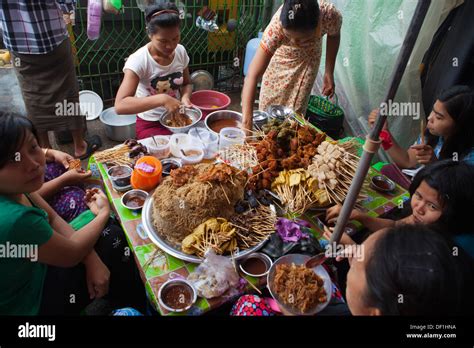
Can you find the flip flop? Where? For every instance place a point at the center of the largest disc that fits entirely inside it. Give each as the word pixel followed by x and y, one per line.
pixel 93 144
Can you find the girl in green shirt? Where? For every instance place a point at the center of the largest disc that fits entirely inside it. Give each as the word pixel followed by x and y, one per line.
pixel 30 225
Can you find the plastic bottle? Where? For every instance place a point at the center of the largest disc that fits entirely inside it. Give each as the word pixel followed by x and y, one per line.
pixel 94 18
pixel 250 50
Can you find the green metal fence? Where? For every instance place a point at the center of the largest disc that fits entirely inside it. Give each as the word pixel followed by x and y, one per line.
pixel 221 53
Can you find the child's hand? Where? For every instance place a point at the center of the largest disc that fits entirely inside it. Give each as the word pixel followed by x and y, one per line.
pixel 75 176
pixel 345 239
pixel 424 153
pixel 172 104
pixel 98 278
pixel 333 213
pixel 186 101
pixel 97 201
pixel 373 117
pixel 61 157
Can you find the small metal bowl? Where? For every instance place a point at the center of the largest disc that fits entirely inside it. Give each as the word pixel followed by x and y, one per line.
pixel 222 115
pixel 177 282
pixel 194 113
pixel 120 180
pixel 280 112
pixel 260 118
pixel 134 193
pixel 260 256
pixel 382 183
pixel 169 161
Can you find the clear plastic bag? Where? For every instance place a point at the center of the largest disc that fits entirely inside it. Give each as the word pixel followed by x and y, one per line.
pixel 214 276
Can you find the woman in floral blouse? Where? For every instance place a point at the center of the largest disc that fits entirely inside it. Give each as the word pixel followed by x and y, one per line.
pixel 289 54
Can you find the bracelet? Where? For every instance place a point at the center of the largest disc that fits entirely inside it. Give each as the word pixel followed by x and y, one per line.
pixel 387 141
pixel 45 151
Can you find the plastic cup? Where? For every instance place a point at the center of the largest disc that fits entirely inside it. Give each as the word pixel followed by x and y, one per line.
pixel 230 136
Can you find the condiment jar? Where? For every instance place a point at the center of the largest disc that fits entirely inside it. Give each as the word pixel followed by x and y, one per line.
pixel 147 173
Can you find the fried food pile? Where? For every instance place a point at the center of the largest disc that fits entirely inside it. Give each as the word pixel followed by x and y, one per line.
pixel 299 287
pixel 74 164
pixel 286 145
pixel 193 194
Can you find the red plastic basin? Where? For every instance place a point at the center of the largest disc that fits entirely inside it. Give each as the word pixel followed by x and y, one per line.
pixel 208 101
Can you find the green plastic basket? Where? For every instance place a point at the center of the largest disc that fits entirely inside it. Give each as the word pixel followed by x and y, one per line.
pixel 322 106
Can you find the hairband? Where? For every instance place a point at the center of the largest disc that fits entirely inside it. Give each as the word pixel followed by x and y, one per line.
pixel 164 11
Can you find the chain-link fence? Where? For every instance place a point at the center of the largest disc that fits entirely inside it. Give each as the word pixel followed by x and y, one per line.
pixel 100 62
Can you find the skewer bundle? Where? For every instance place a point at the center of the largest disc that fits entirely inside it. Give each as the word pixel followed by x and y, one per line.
pixel 240 156
pixel 118 155
pixel 240 232
pixel 298 191
pixel 334 167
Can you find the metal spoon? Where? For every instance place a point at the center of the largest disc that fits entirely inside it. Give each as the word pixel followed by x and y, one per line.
pixel 316 260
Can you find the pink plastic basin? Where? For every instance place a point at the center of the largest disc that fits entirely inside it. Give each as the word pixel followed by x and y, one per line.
pixel 208 101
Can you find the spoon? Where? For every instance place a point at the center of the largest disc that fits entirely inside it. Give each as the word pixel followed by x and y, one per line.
pixel 316 260
pixel 320 258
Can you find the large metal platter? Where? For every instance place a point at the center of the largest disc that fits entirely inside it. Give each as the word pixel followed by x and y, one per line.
pixel 147 213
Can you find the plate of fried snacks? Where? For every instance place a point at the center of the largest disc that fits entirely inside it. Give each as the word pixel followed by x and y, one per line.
pixel 299 290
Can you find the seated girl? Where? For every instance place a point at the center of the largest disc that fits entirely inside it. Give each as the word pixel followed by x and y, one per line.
pixel 49 280
pixel 440 193
pixel 409 270
pixel 449 132
pixel 156 76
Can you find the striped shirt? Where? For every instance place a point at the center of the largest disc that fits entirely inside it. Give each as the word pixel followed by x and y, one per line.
pixel 32 26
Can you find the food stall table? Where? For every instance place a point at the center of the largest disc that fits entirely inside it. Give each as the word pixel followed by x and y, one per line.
pixel 156 266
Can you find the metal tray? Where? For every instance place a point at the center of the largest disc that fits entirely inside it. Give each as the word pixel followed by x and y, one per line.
pixel 147 212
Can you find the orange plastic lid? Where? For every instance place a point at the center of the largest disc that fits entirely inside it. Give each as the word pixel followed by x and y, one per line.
pixel 147 173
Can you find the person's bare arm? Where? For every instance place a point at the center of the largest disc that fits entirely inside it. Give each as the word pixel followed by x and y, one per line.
pixel 187 88
pixel 65 231
pixel 371 223
pixel 256 70
pixel 67 252
pixel 126 103
pixel 401 157
pixel 332 47
pixel 374 224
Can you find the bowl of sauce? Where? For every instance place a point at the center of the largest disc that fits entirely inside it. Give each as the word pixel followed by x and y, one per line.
pixel 177 295
pixel 134 199
pixel 256 265
pixel 191 155
pixel 382 183
pixel 218 120
pixel 120 175
pixel 170 164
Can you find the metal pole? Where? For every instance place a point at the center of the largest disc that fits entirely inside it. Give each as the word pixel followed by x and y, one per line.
pixel 364 163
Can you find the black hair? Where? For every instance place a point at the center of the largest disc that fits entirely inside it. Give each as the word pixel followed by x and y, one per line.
pixel 164 20
pixel 415 270
pixel 13 130
pixel 454 181
pixel 300 15
pixel 459 102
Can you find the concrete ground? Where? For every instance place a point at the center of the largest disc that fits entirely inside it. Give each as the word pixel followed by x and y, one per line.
pixel 95 127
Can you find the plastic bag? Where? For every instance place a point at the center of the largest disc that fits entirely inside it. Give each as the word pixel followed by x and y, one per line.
pixel 112 6
pixel 94 18
pixel 214 276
